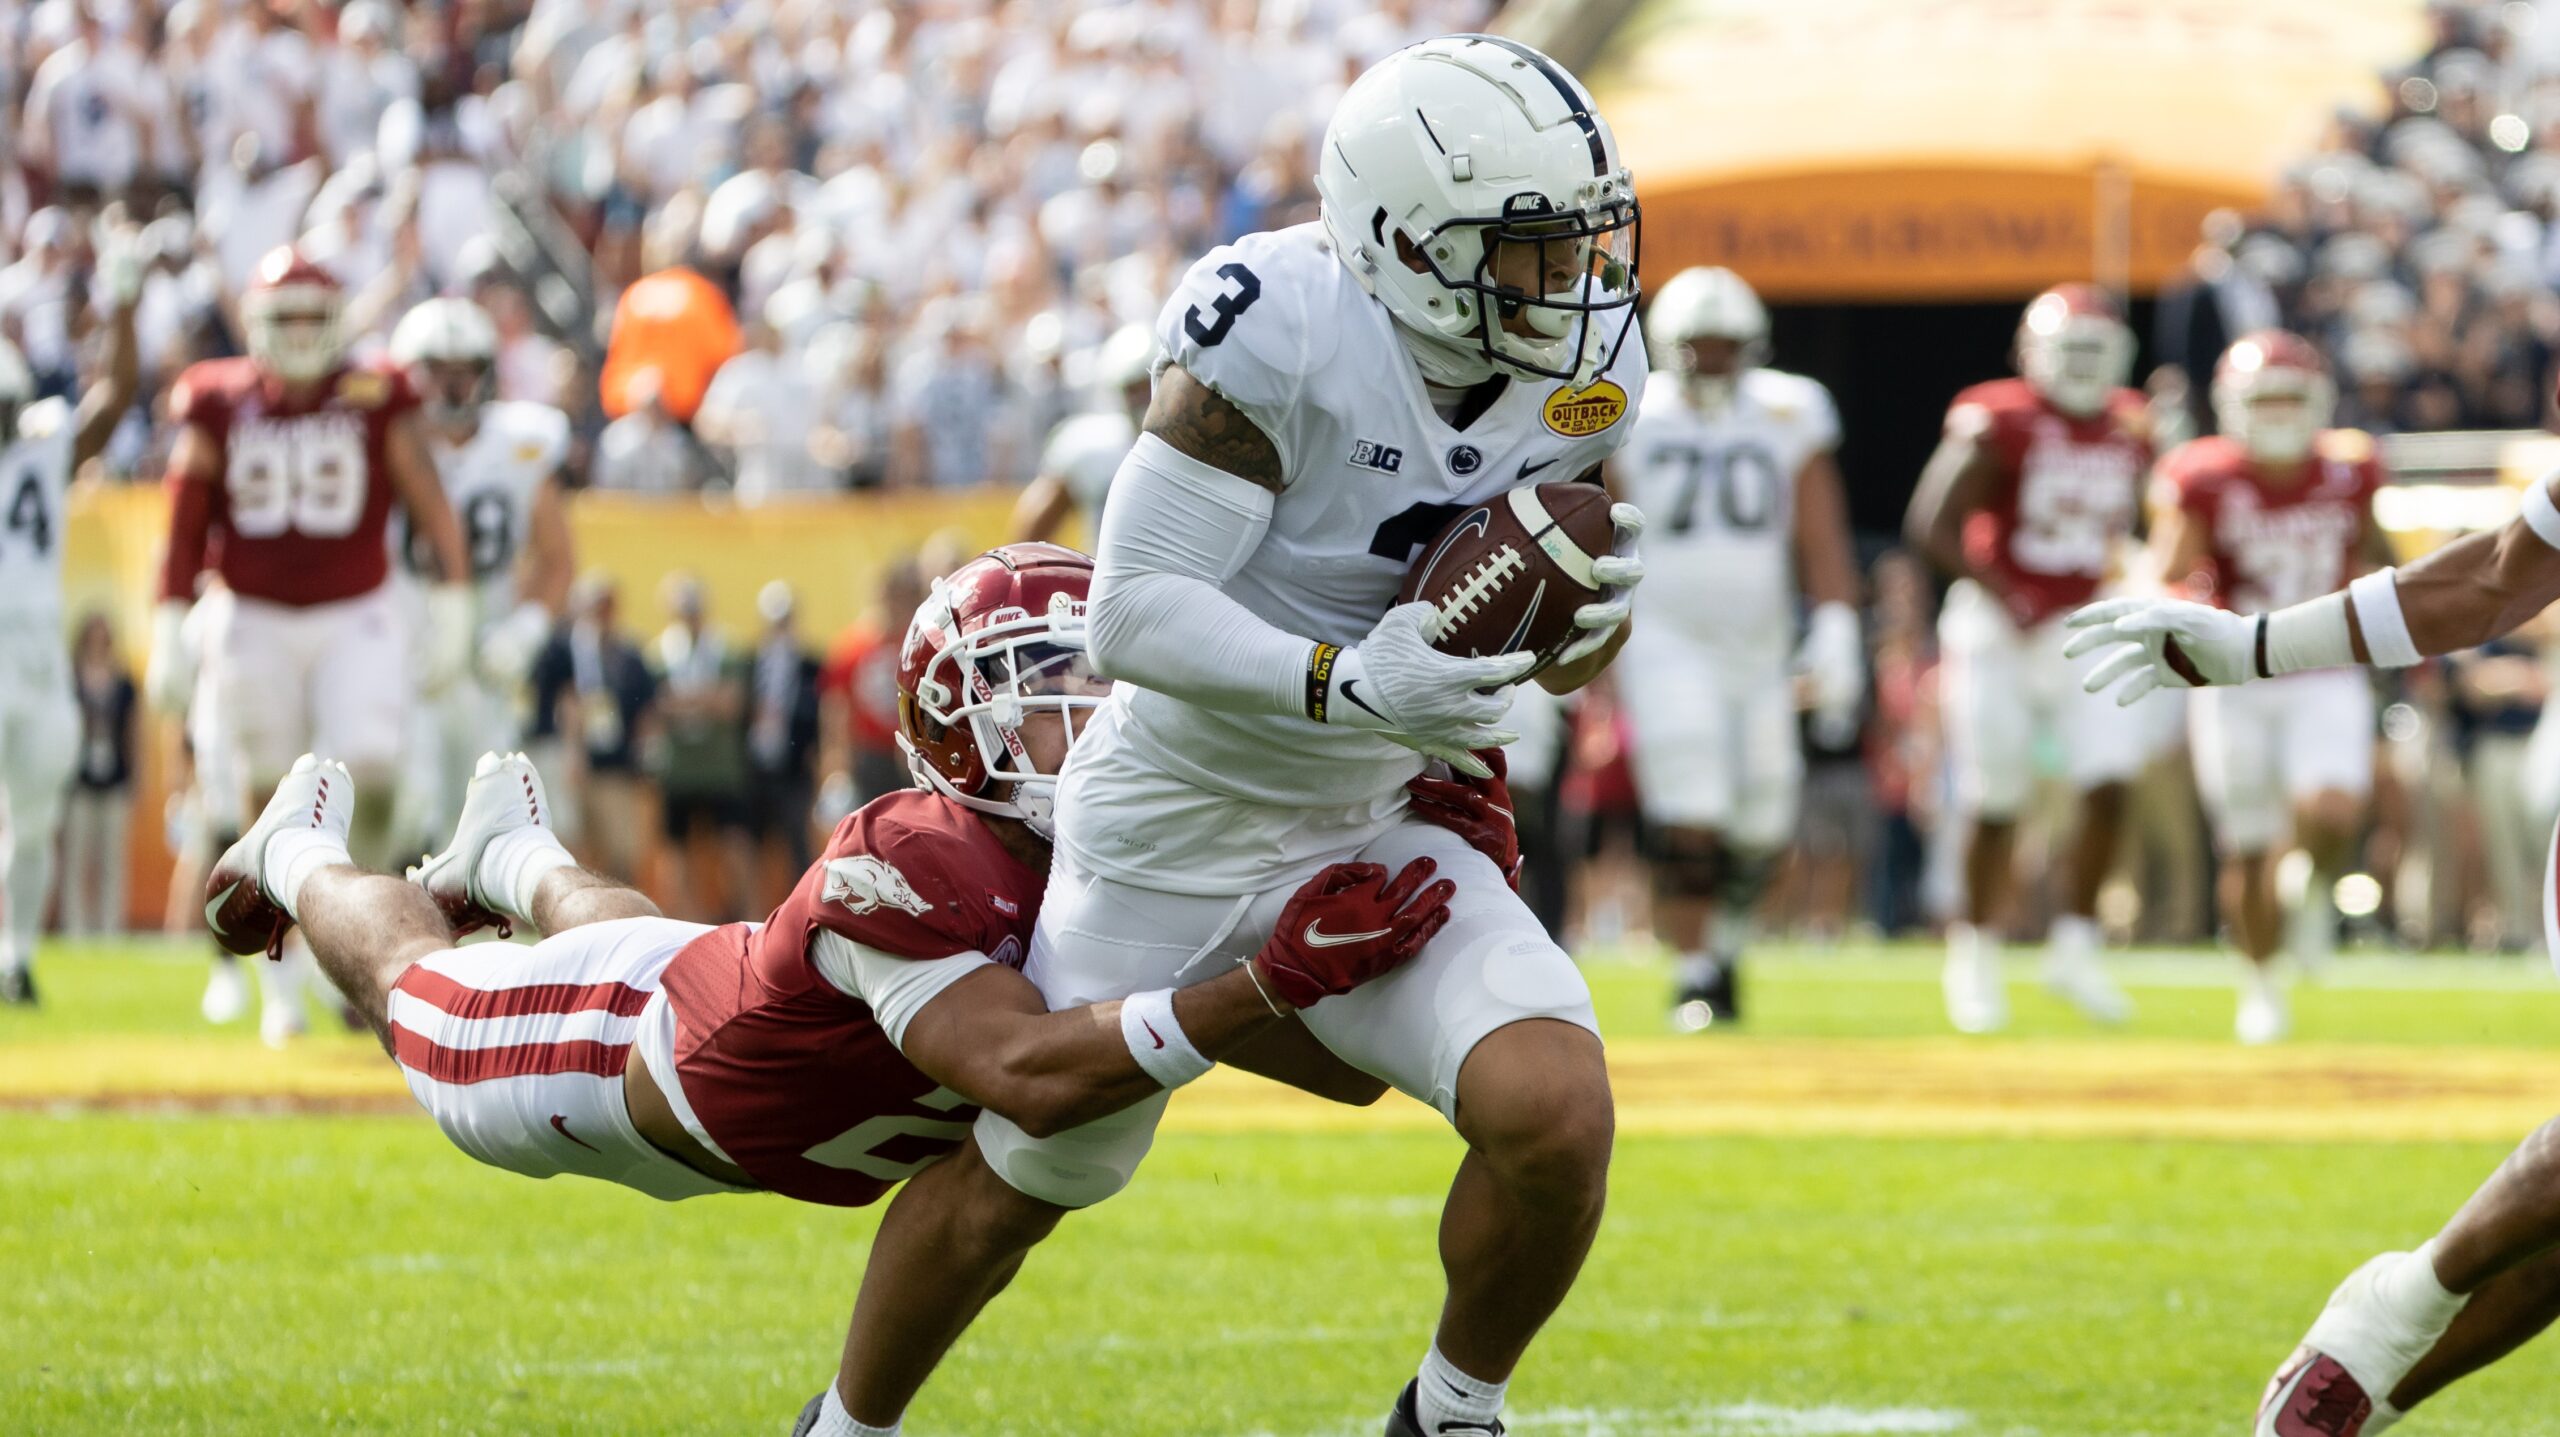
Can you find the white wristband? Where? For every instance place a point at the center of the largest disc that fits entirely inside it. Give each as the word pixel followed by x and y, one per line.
pixel 2309 635
pixel 2539 513
pixel 1162 1049
pixel 2386 628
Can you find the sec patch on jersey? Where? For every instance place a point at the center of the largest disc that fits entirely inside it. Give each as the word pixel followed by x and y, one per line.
pixel 1506 575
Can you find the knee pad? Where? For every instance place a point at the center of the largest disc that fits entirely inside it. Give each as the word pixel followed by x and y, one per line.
pixel 1686 862
pixel 1743 877
pixel 1073 1169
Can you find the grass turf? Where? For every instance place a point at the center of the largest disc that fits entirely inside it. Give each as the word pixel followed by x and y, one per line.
pixel 207 1274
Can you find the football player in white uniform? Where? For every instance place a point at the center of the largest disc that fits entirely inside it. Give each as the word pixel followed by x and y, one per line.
pixel 2406 1324
pixel 1733 463
pixel 500 463
pixel 42 444
pixel 1460 321
pixel 1085 450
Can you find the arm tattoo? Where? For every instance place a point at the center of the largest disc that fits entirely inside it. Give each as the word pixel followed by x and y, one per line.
pixel 1191 417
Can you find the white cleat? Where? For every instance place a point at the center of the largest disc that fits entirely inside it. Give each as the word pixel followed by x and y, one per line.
pixel 505 795
pixel 2079 978
pixel 226 994
pixel 281 1021
pixel 2336 1384
pixel 242 915
pixel 2264 1015
pixel 1977 1000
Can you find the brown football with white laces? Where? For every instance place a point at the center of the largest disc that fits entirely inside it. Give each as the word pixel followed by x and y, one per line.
pixel 1505 576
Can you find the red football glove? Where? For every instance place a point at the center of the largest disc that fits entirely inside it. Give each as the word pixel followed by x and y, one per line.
pixel 1350 924
pixel 1478 810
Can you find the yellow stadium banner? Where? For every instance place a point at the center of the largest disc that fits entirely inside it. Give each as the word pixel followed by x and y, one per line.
pixel 832 550
pixel 1880 150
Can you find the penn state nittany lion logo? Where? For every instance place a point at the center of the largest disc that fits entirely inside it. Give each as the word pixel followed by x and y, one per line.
pixel 863 883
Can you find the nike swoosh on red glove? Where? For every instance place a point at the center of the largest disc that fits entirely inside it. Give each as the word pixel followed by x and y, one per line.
pixel 1349 924
pixel 1478 810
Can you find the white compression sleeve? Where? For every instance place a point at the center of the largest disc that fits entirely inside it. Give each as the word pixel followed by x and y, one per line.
pixel 1177 529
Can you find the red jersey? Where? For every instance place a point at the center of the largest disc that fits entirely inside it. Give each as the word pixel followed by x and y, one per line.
pixel 2274 544
pixel 300 506
pixel 791 1075
pixel 2067 494
pixel 863 667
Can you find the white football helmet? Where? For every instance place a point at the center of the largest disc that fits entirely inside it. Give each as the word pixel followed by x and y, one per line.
pixel 17 388
pixel 450 347
pixel 1706 303
pixel 2272 393
pixel 1505 187
pixel 2074 348
pixel 1125 359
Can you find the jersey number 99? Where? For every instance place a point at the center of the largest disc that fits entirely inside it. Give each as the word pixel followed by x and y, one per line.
pixel 307 480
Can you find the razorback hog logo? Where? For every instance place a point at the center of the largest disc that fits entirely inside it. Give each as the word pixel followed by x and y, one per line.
pixel 863 883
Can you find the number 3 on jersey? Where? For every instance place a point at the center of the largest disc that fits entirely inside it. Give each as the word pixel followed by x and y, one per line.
pixel 307 478
pixel 1228 306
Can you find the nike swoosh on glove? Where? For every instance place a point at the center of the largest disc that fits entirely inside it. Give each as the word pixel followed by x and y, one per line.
pixel 2162 643
pixel 1478 810
pixel 1619 571
pixel 1349 924
pixel 1396 684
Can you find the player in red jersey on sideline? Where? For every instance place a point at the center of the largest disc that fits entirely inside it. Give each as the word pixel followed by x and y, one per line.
pixel 282 481
pixel 2274 510
pixel 848 1040
pixel 2025 504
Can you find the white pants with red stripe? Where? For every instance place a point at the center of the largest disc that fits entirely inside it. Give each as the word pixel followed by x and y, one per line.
pixel 519 1052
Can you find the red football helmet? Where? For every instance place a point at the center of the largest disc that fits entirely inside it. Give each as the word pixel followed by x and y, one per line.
pixel 291 314
pixel 2073 348
pixel 998 641
pixel 2272 393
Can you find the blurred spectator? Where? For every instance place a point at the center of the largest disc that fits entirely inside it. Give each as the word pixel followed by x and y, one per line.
pixel 2497 697
pixel 646 451
pixel 858 697
pixel 594 702
pixel 1902 740
pixel 671 333
pixel 700 759
pixel 761 411
pixel 782 745
pixel 2216 302
pixel 953 430
pixel 95 821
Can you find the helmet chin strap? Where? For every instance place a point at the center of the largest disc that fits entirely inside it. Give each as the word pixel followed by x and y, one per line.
pixel 1444 362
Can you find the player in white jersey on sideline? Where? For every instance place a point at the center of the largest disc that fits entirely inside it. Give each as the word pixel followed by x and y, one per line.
pixel 1460 322
pixel 43 443
pixel 1733 463
pixel 1085 450
pixel 500 462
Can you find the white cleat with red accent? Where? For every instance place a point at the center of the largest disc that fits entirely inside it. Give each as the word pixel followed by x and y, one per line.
pixel 2339 1381
pixel 505 795
pixel 242 915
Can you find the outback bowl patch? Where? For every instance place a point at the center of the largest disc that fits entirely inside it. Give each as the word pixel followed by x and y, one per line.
pixel 1580 413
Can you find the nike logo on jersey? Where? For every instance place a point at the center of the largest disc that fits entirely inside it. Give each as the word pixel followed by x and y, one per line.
pixel 1353 694
pixel 1151 1031
pixel 1319 939
pixel 561 1122
pixel 1527 468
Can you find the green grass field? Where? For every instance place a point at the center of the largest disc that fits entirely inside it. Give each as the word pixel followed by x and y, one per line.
pixel 1841 1222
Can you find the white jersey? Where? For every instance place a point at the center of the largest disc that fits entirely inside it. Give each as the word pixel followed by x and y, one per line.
pixel 1719 500
pixel 35 473
pixel 492 479
pixel 1370 473
pixel 1084 451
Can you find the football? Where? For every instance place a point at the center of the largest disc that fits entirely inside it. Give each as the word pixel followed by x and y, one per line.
pixel 1506 575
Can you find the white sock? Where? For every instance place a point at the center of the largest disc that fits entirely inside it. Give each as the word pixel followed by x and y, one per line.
pixel 1728 933
pixel 2074 936
pixel 2417 1295
pixel 292 857
pixel 1444 1394
pixel 1966 943
pixel 513 866
pixel 1695 970
pixel 834 1421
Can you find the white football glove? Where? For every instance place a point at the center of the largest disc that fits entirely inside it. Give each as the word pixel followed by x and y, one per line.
pixel 2219 646
pixel 1834 657
pixel 1619 571
pixel 447 655
pixel 1395 684
pixel 508 650
pixel 169 681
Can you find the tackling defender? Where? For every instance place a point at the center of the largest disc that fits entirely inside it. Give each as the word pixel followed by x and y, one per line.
pixel 43 443
pixel 2274 510
pixel 286 468
pixel 2404 1325
pixel 2024 505
pixel 847 1041
pixel 1734 462
pixel 1460 322
pixel 500 464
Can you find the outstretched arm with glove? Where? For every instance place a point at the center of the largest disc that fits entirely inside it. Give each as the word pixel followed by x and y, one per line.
pixel 2468 592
